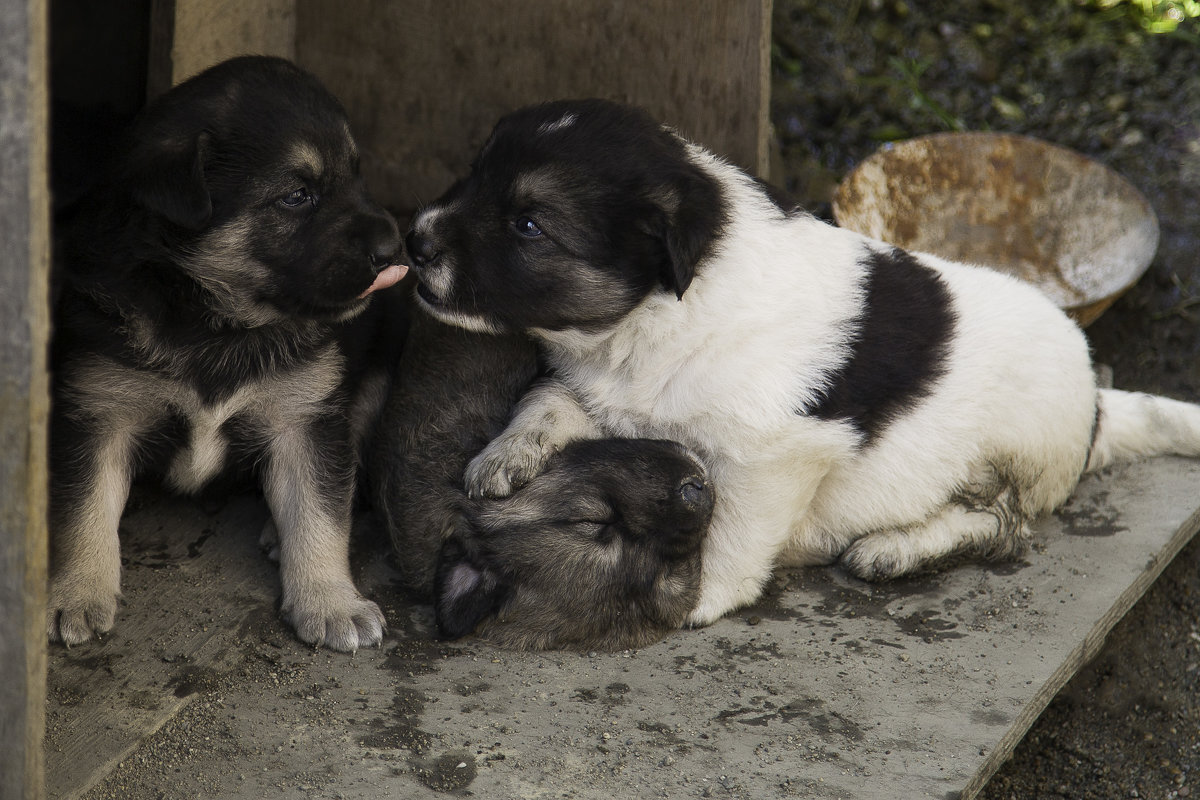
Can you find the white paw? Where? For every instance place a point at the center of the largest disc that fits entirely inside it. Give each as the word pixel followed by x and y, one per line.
pixel 880 557
pixel 505 465
pixel 338 618
pixel 79 610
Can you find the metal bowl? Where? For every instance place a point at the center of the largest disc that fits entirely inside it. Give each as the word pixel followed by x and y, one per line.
pixel 1043 213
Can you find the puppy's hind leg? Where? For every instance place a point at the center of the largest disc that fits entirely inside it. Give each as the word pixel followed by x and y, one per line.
pixel 760 507
pixel 995 531
pixel 309 484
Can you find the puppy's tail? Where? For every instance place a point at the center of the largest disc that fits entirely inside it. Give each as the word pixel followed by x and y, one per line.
pixel 1132 425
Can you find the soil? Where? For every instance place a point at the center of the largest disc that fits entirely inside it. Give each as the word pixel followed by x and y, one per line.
pixel 849 76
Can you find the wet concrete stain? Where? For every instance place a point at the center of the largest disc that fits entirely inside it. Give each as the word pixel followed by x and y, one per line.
pixel 415 656
pixel 1091 520
pixel 873 601
pixel 807 710
pixel 449 773
pixel 405 733
pixel 612 696
pixel 193 548
pixel 928 626
pixel 397 737
pixel 190 680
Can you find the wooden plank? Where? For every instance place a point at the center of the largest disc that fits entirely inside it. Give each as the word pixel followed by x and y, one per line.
pixel 24 330
pixel 829 687
pixel 424 81
pixel 175 627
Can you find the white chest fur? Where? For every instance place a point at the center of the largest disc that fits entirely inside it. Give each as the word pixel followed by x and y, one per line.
pixel 128 404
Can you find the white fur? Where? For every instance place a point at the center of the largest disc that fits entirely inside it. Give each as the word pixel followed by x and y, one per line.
pixel 1003 435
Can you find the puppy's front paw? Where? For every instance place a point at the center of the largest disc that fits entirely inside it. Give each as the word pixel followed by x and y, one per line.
pixel 338 618
pixel 504 466
pixel 79 611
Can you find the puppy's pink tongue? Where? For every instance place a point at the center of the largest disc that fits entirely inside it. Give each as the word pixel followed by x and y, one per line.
pixel 390 276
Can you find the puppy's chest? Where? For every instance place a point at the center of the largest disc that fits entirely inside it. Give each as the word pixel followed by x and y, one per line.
pixel 193 437
pixel 671 404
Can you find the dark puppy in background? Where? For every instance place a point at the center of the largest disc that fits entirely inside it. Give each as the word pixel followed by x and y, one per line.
pixel 600 551
pixel 217 311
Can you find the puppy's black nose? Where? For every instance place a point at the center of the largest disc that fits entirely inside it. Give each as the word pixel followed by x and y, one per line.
pixel 422 250
pixel 379 240
pixel 693 491
pixel 383 257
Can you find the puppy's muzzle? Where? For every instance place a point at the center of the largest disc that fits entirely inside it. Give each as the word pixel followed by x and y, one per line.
pixel 424 254
pixel 693 499
pixel 423 251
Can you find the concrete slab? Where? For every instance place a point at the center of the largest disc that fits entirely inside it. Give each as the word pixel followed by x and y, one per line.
pixel 828 688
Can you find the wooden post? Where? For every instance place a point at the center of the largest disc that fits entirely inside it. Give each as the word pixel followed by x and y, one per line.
pixel 24 326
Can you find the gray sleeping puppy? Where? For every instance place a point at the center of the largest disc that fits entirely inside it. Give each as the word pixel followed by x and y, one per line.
pixel 600 551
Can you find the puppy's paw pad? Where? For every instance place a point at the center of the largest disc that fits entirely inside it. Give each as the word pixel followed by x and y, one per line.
pixel 344 627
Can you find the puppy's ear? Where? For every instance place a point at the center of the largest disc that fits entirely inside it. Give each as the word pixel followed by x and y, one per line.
pixel 465 590
pixel 692 214
pixel 168 179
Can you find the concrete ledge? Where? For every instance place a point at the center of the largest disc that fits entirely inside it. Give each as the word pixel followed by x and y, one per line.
pixel 830 687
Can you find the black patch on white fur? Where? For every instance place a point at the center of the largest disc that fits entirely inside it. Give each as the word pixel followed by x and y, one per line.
pixel 899 345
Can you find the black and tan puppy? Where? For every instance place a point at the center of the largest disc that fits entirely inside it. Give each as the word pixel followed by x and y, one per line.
pixel 600 551
pixel 217 311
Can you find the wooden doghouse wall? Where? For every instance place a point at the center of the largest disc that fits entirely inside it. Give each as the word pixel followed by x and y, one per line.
pixel 424 81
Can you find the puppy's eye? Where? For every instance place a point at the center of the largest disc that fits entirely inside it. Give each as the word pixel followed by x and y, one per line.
pixel 527 228
pixel 296 198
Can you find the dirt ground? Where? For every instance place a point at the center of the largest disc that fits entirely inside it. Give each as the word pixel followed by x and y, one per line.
pixel 850 75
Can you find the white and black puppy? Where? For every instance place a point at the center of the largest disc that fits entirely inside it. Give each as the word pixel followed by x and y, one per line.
pixel 217 311
pixel 851 401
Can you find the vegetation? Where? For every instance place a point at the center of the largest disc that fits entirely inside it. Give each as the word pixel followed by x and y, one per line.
pixel 1155 16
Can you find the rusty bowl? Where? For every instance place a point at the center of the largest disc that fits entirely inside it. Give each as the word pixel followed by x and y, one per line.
pixel 1043 213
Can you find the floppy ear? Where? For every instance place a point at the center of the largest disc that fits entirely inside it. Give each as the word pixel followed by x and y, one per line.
pixel 168 179
pixel 465 590
pixel 692 214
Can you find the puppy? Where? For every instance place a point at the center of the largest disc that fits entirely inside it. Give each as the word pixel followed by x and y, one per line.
pixel 600 551
pixel 853 402
pixel 217 311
